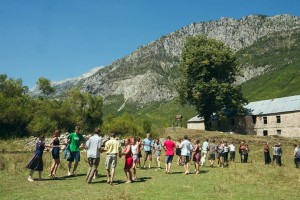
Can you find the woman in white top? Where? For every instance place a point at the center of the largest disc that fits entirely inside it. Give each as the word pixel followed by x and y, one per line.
pixel 135 148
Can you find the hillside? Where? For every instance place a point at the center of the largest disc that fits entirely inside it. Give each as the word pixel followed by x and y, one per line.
pixel 148 74
pixel 142 83
pixel 278 55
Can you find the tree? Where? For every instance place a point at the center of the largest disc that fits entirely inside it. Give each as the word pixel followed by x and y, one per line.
pixel 208 73
pixel 44 85
pixel 86 110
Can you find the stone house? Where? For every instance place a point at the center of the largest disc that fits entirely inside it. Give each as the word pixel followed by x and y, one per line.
pixel 280 116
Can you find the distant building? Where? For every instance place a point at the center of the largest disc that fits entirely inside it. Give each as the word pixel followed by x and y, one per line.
pixel 196 123
pixel 280 116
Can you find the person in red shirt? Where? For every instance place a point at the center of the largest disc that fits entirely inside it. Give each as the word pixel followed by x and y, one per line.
pixel 169 147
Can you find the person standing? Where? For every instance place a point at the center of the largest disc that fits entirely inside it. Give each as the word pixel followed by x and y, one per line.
pixel 178 151
pixel 220 154
pixel 241 149
pixel 246 153
pixel 226 150
pixel 36 162
pixel 135 148
pixel 279 155
pixel 204 152
pixel 186 149
pixel 75 140
pixel 169 147
pixel 148 144
pixel 128 160
pixel 93 145
pixel 232 152
pixel 212 150
pixel 275 147
pixel 296 156
pixel 112 149
pixel 267 153
pixel 197 156
pixel 157 151
pixel 55 154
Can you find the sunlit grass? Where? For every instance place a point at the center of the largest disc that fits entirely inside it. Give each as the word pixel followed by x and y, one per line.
pixel 253 180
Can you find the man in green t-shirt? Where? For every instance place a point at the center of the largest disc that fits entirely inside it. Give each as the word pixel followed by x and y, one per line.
pixel 75 140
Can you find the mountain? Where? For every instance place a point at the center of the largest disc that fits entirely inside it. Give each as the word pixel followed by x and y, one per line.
pixel 61 87
pixel 149 73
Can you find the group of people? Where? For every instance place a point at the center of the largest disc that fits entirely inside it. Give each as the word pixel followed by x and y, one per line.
pixel 277 153
pixel 184 149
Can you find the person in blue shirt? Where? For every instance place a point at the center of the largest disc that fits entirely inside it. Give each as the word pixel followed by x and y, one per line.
pixel 148 145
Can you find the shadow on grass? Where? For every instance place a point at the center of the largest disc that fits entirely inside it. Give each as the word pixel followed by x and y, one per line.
pixel 72 176
pixel 176 173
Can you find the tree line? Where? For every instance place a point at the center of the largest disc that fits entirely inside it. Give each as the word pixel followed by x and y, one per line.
pixel 22 115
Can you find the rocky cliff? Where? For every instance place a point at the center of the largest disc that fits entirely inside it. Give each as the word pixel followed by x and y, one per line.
pixel 148 74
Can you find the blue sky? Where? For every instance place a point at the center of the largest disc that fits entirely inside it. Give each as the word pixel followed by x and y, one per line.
pixel 60 39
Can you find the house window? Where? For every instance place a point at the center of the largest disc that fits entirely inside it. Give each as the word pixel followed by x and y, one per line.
pixel 278 132
pixel 265 133
pixel 265 120
pixel 278 120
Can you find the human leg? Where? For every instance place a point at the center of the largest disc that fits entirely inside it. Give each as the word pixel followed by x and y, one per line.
pixel 57 162
pixel 150 160
pixel 30 176
pixel 40 175
pixel 69 168
pixel 158 161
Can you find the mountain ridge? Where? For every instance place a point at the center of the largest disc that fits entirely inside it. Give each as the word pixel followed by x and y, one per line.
pixel 148 74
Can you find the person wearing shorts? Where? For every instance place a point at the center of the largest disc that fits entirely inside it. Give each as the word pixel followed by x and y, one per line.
pixel 75 140
pixel 186 150
pixel 157 151
pixel 93 145
pixel 135 148
pixel 169 147
pixel 212 155
pixel 148 144
pixel 112 149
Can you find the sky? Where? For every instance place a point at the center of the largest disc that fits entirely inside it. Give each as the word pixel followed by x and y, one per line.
pixel 60 39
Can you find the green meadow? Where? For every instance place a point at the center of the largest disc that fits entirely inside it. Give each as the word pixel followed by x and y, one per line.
pixel 252 180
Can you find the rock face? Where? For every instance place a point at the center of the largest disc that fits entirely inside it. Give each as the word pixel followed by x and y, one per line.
pixel 149 73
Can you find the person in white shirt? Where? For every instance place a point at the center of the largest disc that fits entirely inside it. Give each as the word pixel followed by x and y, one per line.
pixel 93 145
pixel 186 151
pixel 232 148
pixel 204 152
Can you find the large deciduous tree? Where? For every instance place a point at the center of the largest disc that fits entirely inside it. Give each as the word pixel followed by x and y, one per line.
pixel 208 74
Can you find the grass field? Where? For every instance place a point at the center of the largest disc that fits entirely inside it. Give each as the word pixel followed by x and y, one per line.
pixel 253 180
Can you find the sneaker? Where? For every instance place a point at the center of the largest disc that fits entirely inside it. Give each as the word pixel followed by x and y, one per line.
pixel 30 179
pixel 128 182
